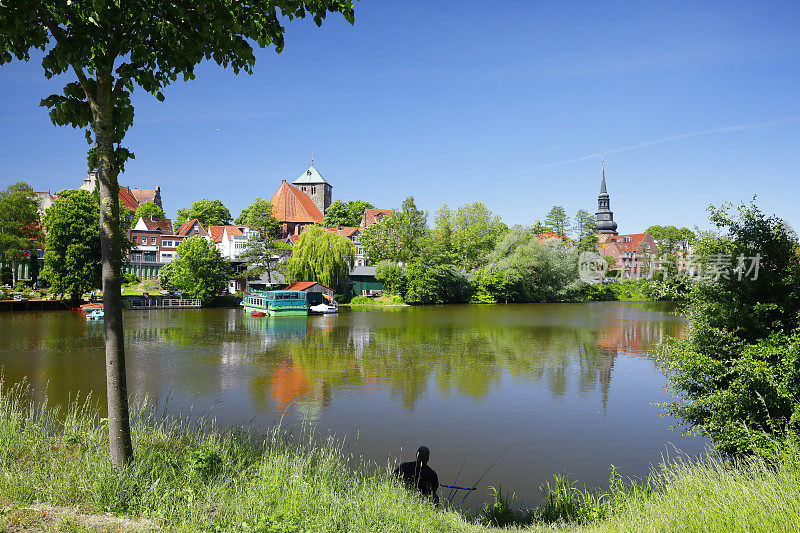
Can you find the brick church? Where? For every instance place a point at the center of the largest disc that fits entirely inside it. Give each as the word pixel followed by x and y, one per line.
pixel 301 203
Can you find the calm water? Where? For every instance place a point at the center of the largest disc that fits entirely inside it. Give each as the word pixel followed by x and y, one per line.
pixel 565 387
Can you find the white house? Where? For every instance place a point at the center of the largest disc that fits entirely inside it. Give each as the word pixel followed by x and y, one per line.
pixel 231 241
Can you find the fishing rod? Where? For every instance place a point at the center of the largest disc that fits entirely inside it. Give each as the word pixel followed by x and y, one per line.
pixel 456 487
pixel 480 478
pixel 454 491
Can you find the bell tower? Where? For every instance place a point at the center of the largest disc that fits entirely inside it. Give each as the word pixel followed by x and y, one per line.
pixel 604 216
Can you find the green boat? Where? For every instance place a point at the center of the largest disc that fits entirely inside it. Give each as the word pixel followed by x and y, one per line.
pixel 276 303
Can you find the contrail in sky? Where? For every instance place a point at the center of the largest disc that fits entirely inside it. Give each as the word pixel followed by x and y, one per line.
pixel 659 141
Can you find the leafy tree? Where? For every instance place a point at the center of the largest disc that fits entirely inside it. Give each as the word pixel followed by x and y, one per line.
pixel 207 212
pixel 380 240
pixel 147 210
pixel 489 287
pixel 392 275
pixel 19 224
pixel 323 256
pixel 350 213
pixel 199 270
pixel 586 231
pixel 72 257
pixel 412 226
pixel 471 232
pixel 113 47
pixel 670 237
pixel 537 227
pixel 429 283
pixel 557 221
pixel 736 374
pixel 536 270
pixel 258 216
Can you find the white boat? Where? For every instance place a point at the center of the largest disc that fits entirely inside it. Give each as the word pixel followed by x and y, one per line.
pixel 323 309
pixel 97 314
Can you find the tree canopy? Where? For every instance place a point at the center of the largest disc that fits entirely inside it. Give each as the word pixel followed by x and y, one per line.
pixel 669 238
pixel 736 373
pixel 207 212
pixel 349 213
pixel 323 256
pixel 113 48
pixel 147 210
pixel 557 221
pixel 72 262
pixel 258 216
pixel 470 232
pixel 20 232
pixel 199 270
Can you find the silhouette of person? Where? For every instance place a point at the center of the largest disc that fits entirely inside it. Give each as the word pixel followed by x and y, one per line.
pixel 418 475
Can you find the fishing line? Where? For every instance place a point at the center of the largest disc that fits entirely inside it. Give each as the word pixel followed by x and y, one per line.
pixel 479 479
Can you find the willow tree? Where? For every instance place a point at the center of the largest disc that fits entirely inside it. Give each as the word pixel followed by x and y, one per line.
pixel 113 47
pixel 323 256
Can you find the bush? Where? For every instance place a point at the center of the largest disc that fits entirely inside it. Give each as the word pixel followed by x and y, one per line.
pixel 489 287
pixel 737 373
pixel 392 275
pixel 428 284
pixel 131 279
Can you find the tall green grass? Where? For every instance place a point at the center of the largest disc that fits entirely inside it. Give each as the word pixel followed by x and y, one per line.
pixel 188 478
pixel 192 477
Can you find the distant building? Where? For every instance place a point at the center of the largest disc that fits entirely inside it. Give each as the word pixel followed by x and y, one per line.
pixel 231 241
pixel 353 235
pixel 294 210
pixel 44 200
pixel 192 228
pixel 372 216
pixel 154 240
pixel 632 253
pixel 314 185
pixel 604 216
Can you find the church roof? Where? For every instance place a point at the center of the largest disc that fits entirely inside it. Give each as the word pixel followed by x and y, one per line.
pixel 144 195
pixel 289 204
pixel 310 176
pixel 128 199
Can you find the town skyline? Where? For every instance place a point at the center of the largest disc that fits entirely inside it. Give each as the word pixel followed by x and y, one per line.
pixel 690 105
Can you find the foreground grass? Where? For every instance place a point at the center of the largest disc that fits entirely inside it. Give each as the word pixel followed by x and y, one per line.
pixel 55 476
pixel 186 479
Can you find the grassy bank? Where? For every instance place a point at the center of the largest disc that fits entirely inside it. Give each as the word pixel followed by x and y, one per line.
pixel 55 475
pixel 385 300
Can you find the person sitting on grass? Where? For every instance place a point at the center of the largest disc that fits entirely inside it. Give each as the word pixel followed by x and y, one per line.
pixel 418 475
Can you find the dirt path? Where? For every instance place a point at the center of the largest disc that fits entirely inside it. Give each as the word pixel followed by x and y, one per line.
pixel 18 518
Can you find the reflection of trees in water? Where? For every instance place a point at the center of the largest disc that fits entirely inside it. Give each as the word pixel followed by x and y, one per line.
pixel 470 361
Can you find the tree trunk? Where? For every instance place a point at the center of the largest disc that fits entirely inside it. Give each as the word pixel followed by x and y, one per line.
pixel 13 272
pixel 119 433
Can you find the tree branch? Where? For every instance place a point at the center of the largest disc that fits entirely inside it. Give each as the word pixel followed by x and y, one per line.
pixel 59 35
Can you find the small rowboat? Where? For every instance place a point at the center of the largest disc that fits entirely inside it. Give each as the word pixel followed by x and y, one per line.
pixel 88 308
pixel 257 313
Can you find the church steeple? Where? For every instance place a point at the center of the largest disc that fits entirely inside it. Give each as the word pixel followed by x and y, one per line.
pixel 604 216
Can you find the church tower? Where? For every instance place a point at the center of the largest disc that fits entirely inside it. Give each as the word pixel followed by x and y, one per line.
pixel 314 185
pixel 604 216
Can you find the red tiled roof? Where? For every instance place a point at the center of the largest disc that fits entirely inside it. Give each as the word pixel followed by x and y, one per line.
pixel 373 215
pixel 144 195
pixel 631 244
pixel 347 231
pixel 186 226
pixel 545 236
pixel 128 199
pixel 164 225
pixel 290 204
pixel 218 232
pixel 303 285
pixel 294 238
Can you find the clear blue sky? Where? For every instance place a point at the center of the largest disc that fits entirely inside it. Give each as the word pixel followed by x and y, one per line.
pixel 510 103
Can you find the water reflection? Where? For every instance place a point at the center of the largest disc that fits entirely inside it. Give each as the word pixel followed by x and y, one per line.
pixel 566 386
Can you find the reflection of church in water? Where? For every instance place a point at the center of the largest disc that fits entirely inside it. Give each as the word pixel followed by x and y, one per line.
pixel 632 338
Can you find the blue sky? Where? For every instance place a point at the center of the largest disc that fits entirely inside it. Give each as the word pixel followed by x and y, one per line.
pixel 509 103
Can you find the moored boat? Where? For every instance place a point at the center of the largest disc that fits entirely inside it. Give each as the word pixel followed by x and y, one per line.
pixel 276 303
pixel 96 314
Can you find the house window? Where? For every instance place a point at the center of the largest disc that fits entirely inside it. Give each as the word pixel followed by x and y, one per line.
pixel 313 190
pixel 152 241
pixel 144 240
pixel 196 229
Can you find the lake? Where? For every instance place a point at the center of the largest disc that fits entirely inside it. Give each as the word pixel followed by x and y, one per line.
pixel 563 387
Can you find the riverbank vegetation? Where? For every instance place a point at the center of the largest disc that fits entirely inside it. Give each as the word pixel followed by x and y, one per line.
pixel 194 477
